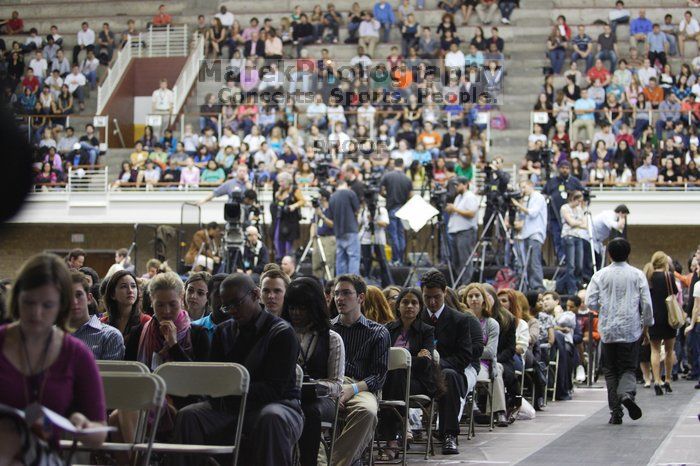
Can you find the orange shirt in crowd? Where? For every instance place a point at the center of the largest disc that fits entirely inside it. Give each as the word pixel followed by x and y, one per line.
pixel 402 79
pixel 430 140
pixel 162 19
pixel 655 95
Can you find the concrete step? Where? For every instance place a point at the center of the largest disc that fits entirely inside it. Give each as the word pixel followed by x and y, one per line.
pixel 114 159
pixel 77 8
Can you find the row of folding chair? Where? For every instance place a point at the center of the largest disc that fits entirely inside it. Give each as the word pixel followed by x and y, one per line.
pixel 129 386
pixel 399 359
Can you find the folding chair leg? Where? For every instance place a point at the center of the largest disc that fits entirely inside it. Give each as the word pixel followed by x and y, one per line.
pixel 405 434
pixel 429 440
pixel 472 429
pixel 491 402
pixel 556 376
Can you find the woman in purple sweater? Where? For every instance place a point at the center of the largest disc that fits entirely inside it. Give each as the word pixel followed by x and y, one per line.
pixel 41 363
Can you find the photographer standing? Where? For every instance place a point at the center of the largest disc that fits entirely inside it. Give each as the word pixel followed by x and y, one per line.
pixel 462 228
pixel 322 230
pixel 556 190
pixel 532 233
pixel 396 188
pixel 286 214
pixel 603 225
pixel 574 232
pixel 343 209
pixel 373 223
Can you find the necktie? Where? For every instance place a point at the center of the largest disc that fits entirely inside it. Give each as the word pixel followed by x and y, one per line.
pixel 433 319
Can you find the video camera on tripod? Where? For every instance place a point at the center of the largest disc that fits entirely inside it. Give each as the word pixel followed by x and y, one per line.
pixel 438 193
pixel 498 194
pixel 371 192
pixel 234 215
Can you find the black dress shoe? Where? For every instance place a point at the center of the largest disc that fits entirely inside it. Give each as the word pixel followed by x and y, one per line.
pixel 501 419
pixel 658 390
pixel 633 409
pixel 615 417
pixel 539 404
pixel 449 445
pixel 667 387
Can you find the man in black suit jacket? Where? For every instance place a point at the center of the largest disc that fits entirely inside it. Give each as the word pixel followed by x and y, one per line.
pixel 259 51
pixel 268 347
pixel 452 143
pixel 455 343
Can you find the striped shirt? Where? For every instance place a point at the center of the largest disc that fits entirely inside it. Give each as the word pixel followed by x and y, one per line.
pixel 336 359
pixel 105 341
pixel 366 351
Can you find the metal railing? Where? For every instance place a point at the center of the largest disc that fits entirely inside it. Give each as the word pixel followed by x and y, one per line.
pixel 189 74
pixel 87 179
pixel 35 122
pixel 168 41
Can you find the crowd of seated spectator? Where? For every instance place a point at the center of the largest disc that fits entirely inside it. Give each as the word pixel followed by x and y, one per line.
pixel 161 317
pixel 45 86
pixel 354 117
pixel 633 121
pixel 58 149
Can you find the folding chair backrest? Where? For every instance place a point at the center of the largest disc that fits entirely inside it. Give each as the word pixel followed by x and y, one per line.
pixel 300 376
pixel 122 366
pixel 215 379
pixel 399 358
pixel 133 391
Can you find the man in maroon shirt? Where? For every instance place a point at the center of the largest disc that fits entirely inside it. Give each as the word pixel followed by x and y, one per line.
pixel 30 81
pixel 14 25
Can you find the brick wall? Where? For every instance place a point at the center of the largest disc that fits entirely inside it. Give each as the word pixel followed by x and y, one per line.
pixel 17 242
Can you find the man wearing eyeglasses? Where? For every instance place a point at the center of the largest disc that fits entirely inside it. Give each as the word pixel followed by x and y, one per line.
pixel 267 346
pixel 366 361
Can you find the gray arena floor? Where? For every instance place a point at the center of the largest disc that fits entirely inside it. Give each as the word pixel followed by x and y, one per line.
pixel 577 432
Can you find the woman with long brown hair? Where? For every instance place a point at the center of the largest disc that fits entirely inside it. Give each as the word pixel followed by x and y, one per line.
pixel 661 284
pixel 376 307
pixel 40 362
pixel 478 301
pixel 122 301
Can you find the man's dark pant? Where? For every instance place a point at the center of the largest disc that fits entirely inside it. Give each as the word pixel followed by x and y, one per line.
pixel 554 231
pixel 397 240
pixel 462 244
pixel 321 409
pixel 271 431
pixel 694 352
pixel 77 49
pixel 661 56
pixel 619 364
pixel 376 251
pixel 451 401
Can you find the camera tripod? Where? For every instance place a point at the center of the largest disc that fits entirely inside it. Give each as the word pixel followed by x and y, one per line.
pixel 319 245
pixel 437 228
pixel 482 243
pixel 376 250
pixel 233 247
